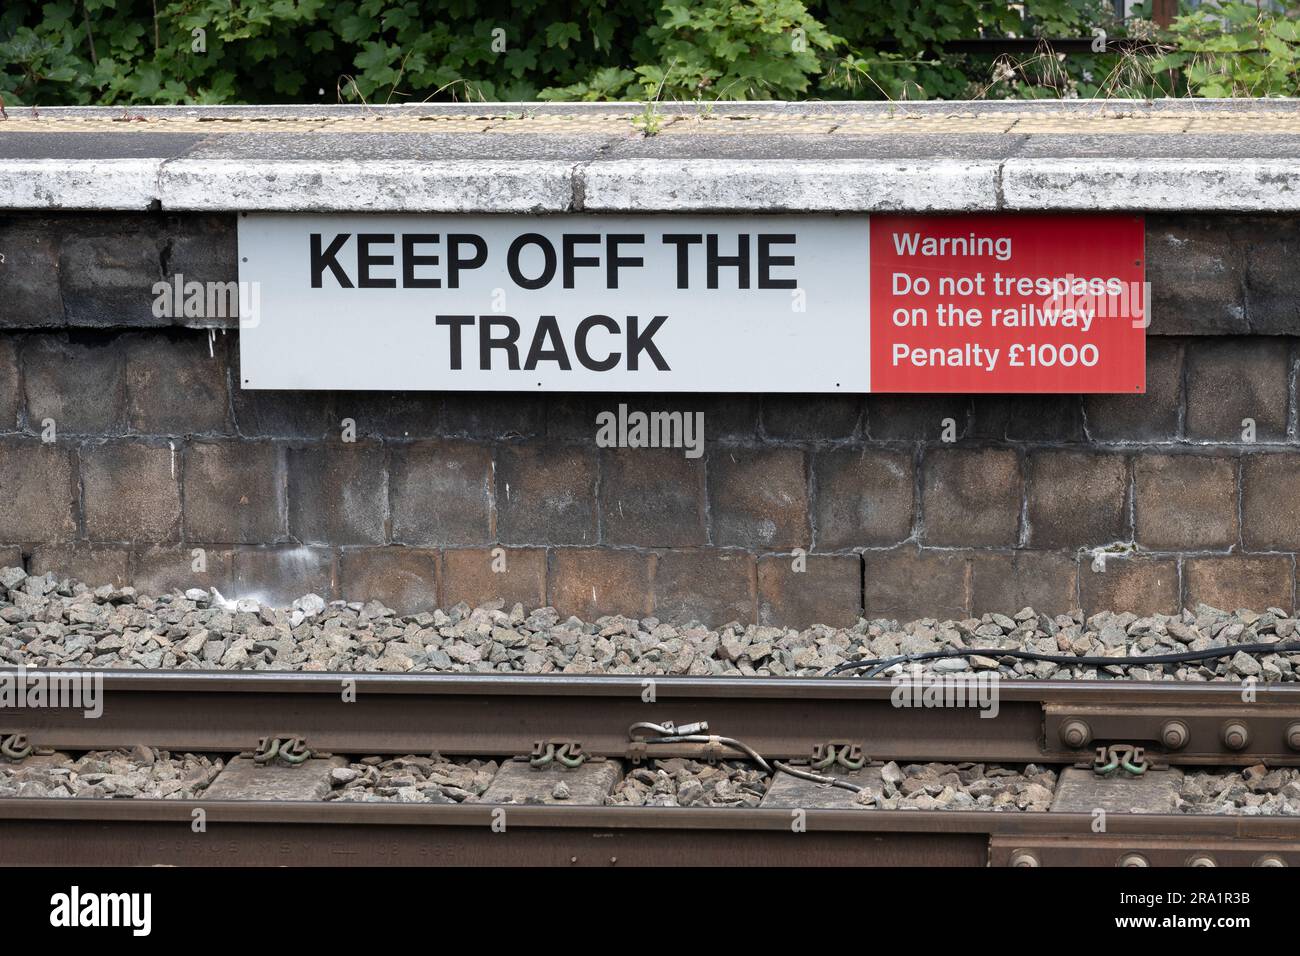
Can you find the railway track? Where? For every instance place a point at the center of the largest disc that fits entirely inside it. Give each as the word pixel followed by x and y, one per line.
pixel 546 730
pixel 500 715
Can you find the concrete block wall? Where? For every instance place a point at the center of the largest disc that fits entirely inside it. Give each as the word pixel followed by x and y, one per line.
pixel 159 459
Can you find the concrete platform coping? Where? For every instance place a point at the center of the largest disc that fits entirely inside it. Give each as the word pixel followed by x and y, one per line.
pixel 1172 155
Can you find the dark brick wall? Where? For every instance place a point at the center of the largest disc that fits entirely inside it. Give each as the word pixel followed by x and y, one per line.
pixel 160 460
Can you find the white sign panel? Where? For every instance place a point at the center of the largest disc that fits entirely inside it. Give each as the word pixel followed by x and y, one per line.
pixel 556 303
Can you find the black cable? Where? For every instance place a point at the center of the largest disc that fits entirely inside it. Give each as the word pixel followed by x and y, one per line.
pixel 879 664
pixel 676 738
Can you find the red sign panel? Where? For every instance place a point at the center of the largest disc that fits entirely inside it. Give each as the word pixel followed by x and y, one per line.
pixel 1008 303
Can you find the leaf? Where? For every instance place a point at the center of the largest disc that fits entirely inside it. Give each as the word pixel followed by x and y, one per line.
pixel 354 28
pixel 318 41
pixel 1169 61
pixel 374 55
pixel 561 34
pixel 520 61
pixel 1288 30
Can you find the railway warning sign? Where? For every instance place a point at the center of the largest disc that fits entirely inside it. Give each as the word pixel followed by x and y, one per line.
pixel 1008 304
pixel 840 303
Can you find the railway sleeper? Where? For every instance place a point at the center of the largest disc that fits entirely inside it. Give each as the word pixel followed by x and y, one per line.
pixel 246 779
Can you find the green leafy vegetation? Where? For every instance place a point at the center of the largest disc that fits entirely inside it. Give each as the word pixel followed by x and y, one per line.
pixel 1234 51
pixel 390 51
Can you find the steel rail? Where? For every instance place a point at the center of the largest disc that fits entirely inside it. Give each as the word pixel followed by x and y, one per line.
pixel 152 832
pixel 503 715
